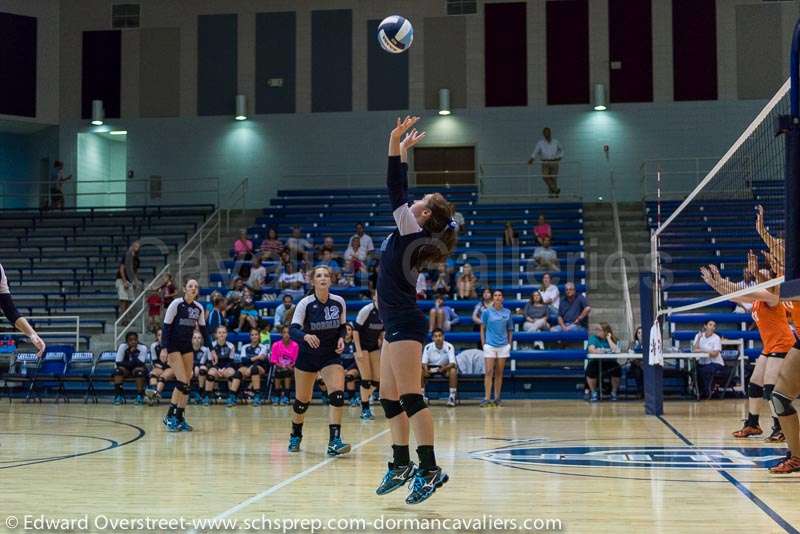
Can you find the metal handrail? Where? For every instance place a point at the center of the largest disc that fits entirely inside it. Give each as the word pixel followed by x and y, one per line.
pixel 183 255
pixel 241 189
pixel 139 301
pixel 48 333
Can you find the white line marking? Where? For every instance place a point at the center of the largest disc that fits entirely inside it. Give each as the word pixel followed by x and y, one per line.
pixel 269 491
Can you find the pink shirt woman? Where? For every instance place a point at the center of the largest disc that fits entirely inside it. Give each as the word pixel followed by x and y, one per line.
pixel 542 229
pixel 243 246
pixel 284 355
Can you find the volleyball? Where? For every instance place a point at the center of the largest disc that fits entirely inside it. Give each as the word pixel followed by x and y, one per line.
pixel 395 34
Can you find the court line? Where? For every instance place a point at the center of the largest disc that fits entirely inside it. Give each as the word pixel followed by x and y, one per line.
pixel 269 491
pixel 772 514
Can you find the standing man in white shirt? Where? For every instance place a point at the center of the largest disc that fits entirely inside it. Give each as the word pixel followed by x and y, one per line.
pixel 709 342
pixel 550 152
pixel 439 358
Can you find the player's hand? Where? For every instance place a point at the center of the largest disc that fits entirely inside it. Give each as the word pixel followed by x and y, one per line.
pixel 402 126
pixel 340 346
pixel 39 344
pixel 412 138
pixel 163 355
pixel 312 340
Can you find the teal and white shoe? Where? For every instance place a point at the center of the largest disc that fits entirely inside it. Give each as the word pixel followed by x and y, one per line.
pixel 395 477
pixel 336 447
pixel 231 402
pixel 171 423
pixel 183 426
pixel 366 414
pixel 425 483
pixel 294 443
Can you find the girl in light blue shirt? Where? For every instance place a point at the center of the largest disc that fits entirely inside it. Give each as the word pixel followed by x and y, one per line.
pixel 496 332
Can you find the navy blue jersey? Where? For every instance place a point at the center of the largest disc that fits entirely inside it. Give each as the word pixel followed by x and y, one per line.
pixel 155 351
pixel 180 322
pixel 397 277
pixel 202 356
pixel 349 353
pixel 131 357
pixel 322 319
pixel 369 326
pixel 248 352
pixel 225 353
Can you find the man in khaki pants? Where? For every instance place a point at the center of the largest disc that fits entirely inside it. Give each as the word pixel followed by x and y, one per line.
pixel 549 151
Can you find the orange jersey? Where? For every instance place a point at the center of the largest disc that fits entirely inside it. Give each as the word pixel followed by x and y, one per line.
pixel 773 326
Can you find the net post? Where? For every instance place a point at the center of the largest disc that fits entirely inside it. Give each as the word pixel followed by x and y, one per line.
pixel 653 374
pixel 790 127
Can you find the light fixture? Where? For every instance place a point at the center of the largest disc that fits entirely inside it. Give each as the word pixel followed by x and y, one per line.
pixel 444 101
pixel 599 97
pixel 98 114
pixel 241 107
pixel 118 132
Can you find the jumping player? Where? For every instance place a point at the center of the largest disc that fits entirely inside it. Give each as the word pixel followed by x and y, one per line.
pixel 131 362
pixel 368 354
pixel 426 234
pixel 184 316
pixel 253 363
pixel 318 326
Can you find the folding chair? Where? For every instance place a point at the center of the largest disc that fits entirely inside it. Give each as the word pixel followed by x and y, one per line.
pixel 79 369
pixel 21 372
pixel 50 375
pixel 104 367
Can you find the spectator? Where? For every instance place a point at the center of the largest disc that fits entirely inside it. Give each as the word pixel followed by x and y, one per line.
pixel 131 363
pixel 127 281
pixel 545 258
pixel 298 245
pixel 326 258
pixel 458 217
pixel 271 246
pixel 497 329
pixel 347 277
pixel 477 312
pixel 283 357
pixel 466 283
pixel 167 291
pixel 550 152
pixel 233 309
pixel 550 295
pixel 422 286
pixel 248 315
pixel 510 236
pixel 535 314
pixel 603 341
pixel 366 241
pixel 153 311
pixel 57 180
pixel 258 277
pixel 439 358
pixel 218 314
pixel 356 253
pixel 635 366
pixel 284 313
pixel 542 230
pixel 573 311
pixel 291 282
pixel 441 285
pixel 237 286
pixel 442 316
pixel 708 367
pixel 243 247
pixel 328 245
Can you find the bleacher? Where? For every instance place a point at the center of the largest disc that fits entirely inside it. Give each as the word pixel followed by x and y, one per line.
pixel 718 232
pixel 63 263
pixel 335 213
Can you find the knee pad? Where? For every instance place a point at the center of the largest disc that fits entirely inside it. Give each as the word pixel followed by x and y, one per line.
pixel 117 372
pixel 754 391
pixel 253 369
pixel 768 389
pixel 203 371
pixel 364 384
pixel 391 408
pixel 336 399
pixel 781 404
pixel 211 378
pixel 349 378
pixel 412 403
pixel 237 376
pixel 299 407
pixel 139 373
pixel 183 387
pixel 375 384
pixel 161 380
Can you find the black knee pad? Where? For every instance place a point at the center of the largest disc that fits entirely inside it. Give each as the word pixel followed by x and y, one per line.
pixel 299 407
pixel 754 391
pixel 139 373
pixel 336 399
pixel 211 378
pixel 781 404
pixel 349 378
pixel 391 408
pixel 237 376
pixel 183 387
pixel 364 384
pixel 253 369
pixel 117 372
pixel 161 380
pixel 412 403
pixel 203 372
pixel 768 389
pixel 375 384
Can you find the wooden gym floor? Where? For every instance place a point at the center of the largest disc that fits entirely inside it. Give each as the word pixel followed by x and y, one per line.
pixel 596 468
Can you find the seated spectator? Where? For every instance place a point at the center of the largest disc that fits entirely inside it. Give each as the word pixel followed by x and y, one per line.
pixel 298 245
pixel 284 312
pixel 366 241
pixel 510 236
pixel 243 247
pixel 131 363
pixel 356 253
pixel 327 245
pixel 237 286
pixel 442 316
pixel 422 286
pixel 466 283
pixel 441 281
pixel 271 246
pixel 497 329
pixel 258 277
pixel 283 357
pixel 536 313
pixel 550 295
pixel 542 230
pixel 713 365
pixel 218 314
pixel 248 315
pixel 291 282
pixel 233 309
pixel 167 290
pixel 326 258
pixel 439 359
pixel 635 366
pixel 545 257
pixel 573 311
pixel 458 217
pixel 603 341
